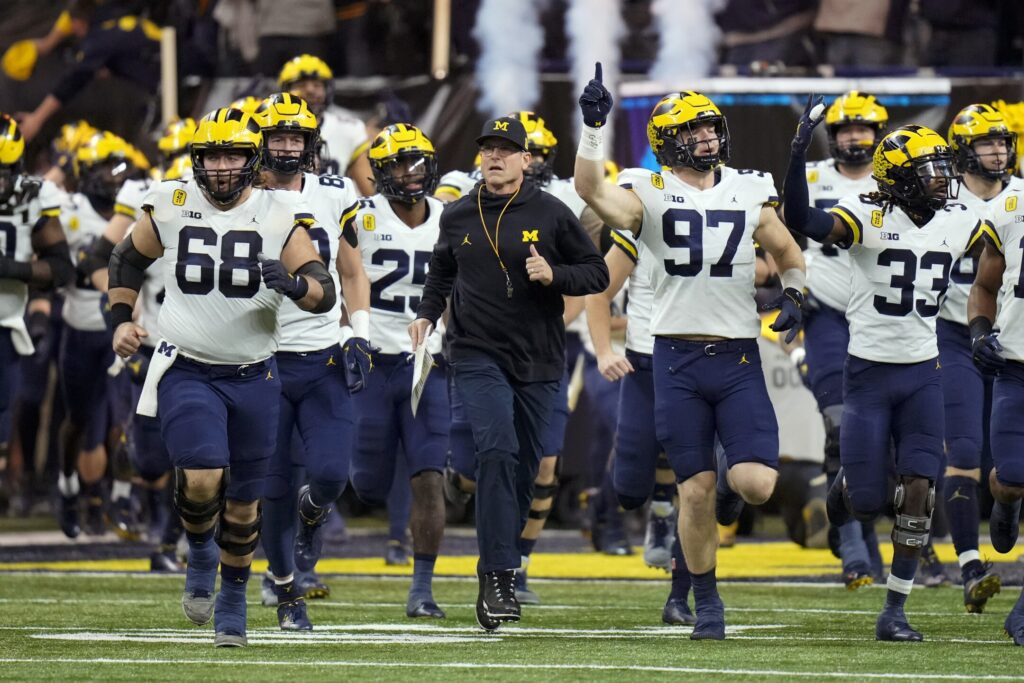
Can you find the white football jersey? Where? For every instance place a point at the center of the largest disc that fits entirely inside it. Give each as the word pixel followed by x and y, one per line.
pixel 954 304
pixel 565 190
pixel 332 200
pixel 828 267
pixel 460 182
pixel 216 308
pixel 130 196
pixel 396 258
pixel 344 138
pixel 83 225
pixel 702 248
pixel 1008 222
pixel 640 296
pixel 799 438
pixel 900 272
pixel 33 202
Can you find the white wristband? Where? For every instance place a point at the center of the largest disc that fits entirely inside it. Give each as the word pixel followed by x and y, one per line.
pixel 591 144
pixel 360 321
pixel 345 334
pixel 795 278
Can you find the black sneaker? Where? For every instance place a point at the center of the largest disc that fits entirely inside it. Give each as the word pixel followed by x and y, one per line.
pixel 68 516
pixel 308 541
pixel 497 598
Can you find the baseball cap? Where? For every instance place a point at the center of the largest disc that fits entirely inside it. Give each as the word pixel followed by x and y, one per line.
pixel 506 128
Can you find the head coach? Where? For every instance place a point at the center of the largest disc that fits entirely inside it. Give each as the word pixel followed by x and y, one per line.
pixel 506 254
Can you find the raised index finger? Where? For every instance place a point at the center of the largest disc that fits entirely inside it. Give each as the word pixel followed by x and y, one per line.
pixel 597 72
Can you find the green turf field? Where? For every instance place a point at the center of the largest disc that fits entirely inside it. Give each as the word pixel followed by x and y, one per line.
pixel 130 627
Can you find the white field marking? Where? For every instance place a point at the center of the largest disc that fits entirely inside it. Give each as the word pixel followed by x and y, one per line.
pixel 280 638
pixel 513 666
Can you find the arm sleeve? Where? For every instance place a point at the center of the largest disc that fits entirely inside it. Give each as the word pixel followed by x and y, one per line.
pixel 440 278
pixel 797 212
pixel 583 270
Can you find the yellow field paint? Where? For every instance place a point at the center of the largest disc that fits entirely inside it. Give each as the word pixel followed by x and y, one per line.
pixel 743 561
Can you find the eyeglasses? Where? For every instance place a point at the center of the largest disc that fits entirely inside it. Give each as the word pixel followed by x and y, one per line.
pixel 497 150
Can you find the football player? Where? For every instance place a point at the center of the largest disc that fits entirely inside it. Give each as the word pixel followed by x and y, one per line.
pixel 707 373
pixel 230 254
pixel 314 397
pixel 101 166
pixel 855 123
pixel 397 230
pixel 997 341
pixel 986 156
pixel 29 225
pixel 344 136
pixel 903 240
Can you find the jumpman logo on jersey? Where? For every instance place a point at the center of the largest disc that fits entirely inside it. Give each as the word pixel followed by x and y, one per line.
pixel 743 360
pixel 958 496
pixel 270 375
pixel 944 242
pixel 330 361
pixel 465 241
pixel 938 365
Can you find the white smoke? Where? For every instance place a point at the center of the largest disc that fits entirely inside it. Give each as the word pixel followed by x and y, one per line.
pixel 594 28
pixel 510 38
pixel 689 40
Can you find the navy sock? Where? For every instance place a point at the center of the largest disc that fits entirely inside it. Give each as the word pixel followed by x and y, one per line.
pixel 904 567
pixel 961 497
pixel 229 611
pixel 203 555
pixel 526 546
pixel 234 580
pixel 422 574
pixel 705 589
pixel 680 574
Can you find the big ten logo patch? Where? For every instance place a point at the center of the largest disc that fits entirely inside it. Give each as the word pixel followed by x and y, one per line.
pixel 369 223
pixel 178 198
pixel 657 181
pixel 812 176
pixel 1011 203
pixel 877 218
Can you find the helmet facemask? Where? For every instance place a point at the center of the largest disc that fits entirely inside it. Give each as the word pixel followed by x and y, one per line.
pixel 542 166
pixel 857 153
pixel 395 174
pixel 290 162
pixel 969 161
pixel 9 180
pixel 101 181
pixel 675 151
pixel 926 183
pixel 224 186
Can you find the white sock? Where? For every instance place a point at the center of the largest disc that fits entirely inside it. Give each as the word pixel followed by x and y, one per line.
pixel 68 486
pixel 120 489
pixel 968 556
pixel 899 585
pixel 661 508
pixel 285 580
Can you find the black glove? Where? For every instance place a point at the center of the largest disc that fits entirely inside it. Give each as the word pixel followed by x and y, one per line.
pixel 136 366
pixel 595 102
pixel 358 355
pixel 809 120
pixel 277 278
pixel 985 348
pixel 790 316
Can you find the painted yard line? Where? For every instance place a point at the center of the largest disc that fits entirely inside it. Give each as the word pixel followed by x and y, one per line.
pixel 515 667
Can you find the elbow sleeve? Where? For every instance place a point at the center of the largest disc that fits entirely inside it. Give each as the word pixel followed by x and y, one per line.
pixel 317 271
pixel 98 258
pixel 128 266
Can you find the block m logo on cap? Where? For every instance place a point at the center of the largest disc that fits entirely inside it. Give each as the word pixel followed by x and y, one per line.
pixel 501 125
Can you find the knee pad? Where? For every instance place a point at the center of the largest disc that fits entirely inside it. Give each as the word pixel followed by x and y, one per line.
pixel 910 530
pixel 963 453
pixel 543 492
pixel 234 538
pixel 630 502
pixel 192 511
pixel 833 418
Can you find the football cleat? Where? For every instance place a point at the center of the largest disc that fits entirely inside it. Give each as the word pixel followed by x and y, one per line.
pixel 932 570
pixel 710 621
pixel 892 625
pixel 166 561
pixel 291 615
pixel 727 535
pixel 198 606
pixel 310 586
pixel 816 526
pixel 1014 625
pixel 498 596
pixel 979 588
pixel 68 512
pixel 226 639
pixel 309 539
pixel 658 539
pixel 123 519
pixel 1003 525
pixel 452 492
pixel 417 607
pixel 857 578
pixel 396 554
pixel 524 595
pixel 677 612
